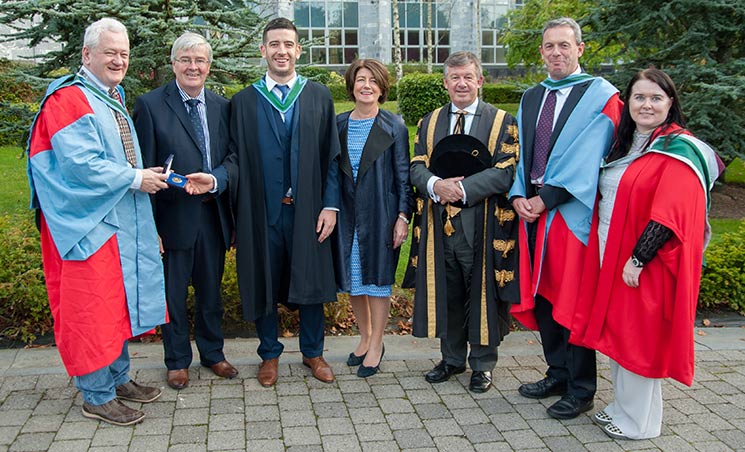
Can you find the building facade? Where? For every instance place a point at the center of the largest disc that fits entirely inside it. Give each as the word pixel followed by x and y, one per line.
pixel 342 30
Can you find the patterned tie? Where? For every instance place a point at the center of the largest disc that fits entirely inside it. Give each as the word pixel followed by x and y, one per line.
pixel 543 137
pixel 124 131
pixel 284 89
pixel 460 122
pixel 196 122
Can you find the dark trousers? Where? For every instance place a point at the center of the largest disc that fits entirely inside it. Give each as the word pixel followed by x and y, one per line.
pixel 311 335
pixel 566 362
pixel 202 265
pixel 458 267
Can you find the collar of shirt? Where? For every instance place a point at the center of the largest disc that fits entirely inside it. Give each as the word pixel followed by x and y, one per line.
pixel 471 109
pixel 185 96
pixel 92 78
pixel 271 83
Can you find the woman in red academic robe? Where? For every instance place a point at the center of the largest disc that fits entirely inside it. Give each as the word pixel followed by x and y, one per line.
pixel 639 305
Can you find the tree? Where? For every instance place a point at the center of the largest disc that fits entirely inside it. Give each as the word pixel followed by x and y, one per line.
pixel 525 26
pixel 232 27
pixel 397 42
pixel 700 44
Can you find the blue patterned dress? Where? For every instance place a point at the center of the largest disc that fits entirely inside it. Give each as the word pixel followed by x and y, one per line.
pixel 357 134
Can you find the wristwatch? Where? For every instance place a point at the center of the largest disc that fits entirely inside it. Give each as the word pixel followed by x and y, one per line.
pixel 636 262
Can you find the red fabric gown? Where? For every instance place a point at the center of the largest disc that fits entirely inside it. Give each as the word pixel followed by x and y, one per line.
pixel 648 330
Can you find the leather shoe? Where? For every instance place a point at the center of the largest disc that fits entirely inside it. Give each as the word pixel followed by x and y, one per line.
pixel 224 369
pixel 569 407
pixel 113 412
pixel 442 372
pixel 178 379
pixel 319 368
pixel 541 389
pixel 137 393
pixel 480 381
pixel 355 360
pixel 268 372
pixel 368 371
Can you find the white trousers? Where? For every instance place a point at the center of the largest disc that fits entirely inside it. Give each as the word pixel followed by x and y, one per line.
pixel 637 408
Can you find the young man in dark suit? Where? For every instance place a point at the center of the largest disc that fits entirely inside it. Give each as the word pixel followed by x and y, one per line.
pixel 190 122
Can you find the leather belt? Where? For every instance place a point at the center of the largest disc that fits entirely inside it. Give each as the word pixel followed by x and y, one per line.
pixel 287 200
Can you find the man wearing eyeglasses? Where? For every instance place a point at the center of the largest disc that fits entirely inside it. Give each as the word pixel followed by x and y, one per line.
pixel 190 122
pixel 465 263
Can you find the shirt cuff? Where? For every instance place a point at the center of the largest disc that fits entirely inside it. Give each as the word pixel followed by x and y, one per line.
pixel 137 182
pixel 214 186
pixel 463 189
pixel 335 209
pixel 431 188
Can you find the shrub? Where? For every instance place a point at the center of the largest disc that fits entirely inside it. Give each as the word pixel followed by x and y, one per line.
pixel 497 93
pixel 723 277
pixel 24 306
pixel 418 94
pixel 338 91
pixel 315 73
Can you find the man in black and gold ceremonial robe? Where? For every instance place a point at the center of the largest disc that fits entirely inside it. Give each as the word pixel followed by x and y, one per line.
pixel 465 256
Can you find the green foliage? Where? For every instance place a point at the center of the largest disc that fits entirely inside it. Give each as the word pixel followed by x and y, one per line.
pixel 315 73
pixel 18 102
pixel 338 91
pixel 419 94
pixel 13 182
pixel 523 32
pixel 700 44
pixel 233 28
pixel 24 309
pixel 723 278
pixel 735 173
pixel 498 94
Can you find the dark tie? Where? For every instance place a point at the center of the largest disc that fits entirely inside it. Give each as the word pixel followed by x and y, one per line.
pixel 124 131
pixel 460 122
pixel 284 89
pixel 543 137
pixel 196 122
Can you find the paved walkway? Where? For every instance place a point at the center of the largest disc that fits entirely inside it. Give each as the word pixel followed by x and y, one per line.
pixel 394 410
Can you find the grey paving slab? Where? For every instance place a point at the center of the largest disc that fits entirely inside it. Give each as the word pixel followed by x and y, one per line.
pixel 393 410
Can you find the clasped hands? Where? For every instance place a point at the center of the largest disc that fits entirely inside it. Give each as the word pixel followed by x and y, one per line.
pixel 448 190
pixel 529 209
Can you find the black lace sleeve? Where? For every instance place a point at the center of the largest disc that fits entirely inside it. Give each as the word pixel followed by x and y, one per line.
pixel 654 236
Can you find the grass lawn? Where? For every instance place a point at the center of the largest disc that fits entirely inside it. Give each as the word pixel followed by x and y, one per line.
pixel 735 173
pixel 13 181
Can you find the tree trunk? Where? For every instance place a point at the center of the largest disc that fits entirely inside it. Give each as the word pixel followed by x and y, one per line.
pixel 430 44
pixel 397 42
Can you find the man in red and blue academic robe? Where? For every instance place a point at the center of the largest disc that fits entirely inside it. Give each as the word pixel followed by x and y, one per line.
pixel 566 125
pixel 99 245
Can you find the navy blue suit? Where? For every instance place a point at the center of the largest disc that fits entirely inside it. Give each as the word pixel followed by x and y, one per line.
pixel 195 230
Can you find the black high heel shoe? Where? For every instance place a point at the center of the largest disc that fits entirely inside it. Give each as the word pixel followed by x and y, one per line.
pixel 365 371
pixel 355 360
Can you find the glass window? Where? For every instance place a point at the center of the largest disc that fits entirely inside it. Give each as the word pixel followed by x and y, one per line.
pixel 413 37
pixel 350 54
pixel 350 14
pixel 350 37
pixel 487 55
pixel 336 55
pixel 442 54
pixel 487 38
pixel 443 38
pixel 413 15
pixel 318 55
pixel 413 54
pixel 334 38
pixel 319 34
pixel 317 15
pixel 301 14
pixel 333 13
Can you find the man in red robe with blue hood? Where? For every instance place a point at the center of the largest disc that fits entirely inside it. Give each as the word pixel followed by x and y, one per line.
pixel 99 245
pixel 566 125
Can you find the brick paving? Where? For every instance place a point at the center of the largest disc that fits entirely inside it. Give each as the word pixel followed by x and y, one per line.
pixel 394 410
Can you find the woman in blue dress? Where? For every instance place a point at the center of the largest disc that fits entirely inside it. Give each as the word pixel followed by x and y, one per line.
pixel 375 206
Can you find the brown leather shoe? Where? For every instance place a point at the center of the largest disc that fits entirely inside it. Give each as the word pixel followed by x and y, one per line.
pixel 224 369
pixel 319 368
pixel 268 372
pixel 137 393
pixel 113 412
pixel 178 379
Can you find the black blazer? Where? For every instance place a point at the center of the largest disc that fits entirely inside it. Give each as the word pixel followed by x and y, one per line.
pixel 531 106
pixel 163 127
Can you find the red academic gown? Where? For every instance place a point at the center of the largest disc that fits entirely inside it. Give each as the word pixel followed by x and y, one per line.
pixel 648 330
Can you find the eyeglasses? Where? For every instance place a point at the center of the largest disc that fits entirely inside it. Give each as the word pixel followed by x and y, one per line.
pixel 186 61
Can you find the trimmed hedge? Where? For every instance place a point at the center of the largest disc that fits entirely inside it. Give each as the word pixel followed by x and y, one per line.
pixel 723 277
pixel 419 94
pixel 499 93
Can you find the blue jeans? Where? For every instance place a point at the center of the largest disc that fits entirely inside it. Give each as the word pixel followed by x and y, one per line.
pixel 99 387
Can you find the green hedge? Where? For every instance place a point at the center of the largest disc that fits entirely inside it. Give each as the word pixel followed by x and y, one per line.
pixel 723 277
pixel 419 94
pixel 499 93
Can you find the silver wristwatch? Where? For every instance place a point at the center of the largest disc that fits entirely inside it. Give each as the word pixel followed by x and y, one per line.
pixel 636 262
